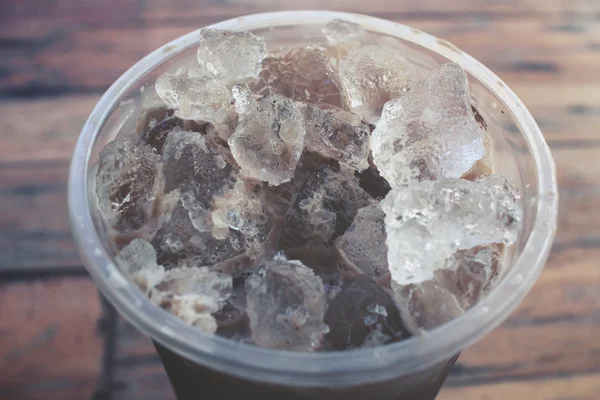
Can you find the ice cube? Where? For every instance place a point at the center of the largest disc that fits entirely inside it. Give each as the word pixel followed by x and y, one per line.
pixel 363 243
pixel 301 74
pixel 339 31
pixel 244 100
pixel 147 277
pixel 138 254
pixel 372 75
pixel 337 134
pixel 268 142
pixel 426 305
pixel 323 209
pixel 231 56
pixel 426 222
pixel 469 274
pixel 363 314
pixel 241 209
pixel 309 164
pixel 193 294
pixel 286 306
pixel 217 219
pixel 431 133
pixel 191 166
pixel 216 141
pixel 195 95
pixel 154 125
pixel 179 242
pixel 138 261
pixel 127 182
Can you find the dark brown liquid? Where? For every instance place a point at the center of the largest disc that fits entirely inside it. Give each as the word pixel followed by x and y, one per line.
pixel 191 381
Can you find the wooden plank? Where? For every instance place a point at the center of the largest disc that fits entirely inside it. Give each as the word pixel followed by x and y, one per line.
pixel 34 231
pixel 132 367
pixel 184 10
pixel 92 58
pixel 43 129
pixel 155 10
pixel 49 344
pixel 584 387
pixel 34 18
pixel 547 55
pixel 132 346
pixel 31 18
pixel 142 382
pixel 567 113
pixel 578 178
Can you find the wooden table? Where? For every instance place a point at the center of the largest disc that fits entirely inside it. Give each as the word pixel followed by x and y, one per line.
pixel 57 338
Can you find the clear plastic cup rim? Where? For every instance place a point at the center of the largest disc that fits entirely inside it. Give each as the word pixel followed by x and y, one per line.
pixel 343 368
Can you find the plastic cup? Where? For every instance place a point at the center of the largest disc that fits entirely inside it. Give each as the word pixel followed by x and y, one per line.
pixel 201 365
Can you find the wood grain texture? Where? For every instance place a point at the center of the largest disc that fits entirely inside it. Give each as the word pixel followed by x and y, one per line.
pixel 77 57
pixel 56 59
pixel 583 387
pixel 138 372
pixel 50 347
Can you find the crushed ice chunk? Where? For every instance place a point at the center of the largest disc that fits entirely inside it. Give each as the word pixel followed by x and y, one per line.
pixel 147 277
pixel 337 134
pixel 193 294
pixel 426 305
pixel 286 306
pixel 309 164
pixel 268 142
pixel 186 235
pixel 217 219
pixel 301 74
pixel 372 75
pixel 138 261
pixel 323 209
pixel 339 31
pixel 363 243
pixel 127 182
pixel 178 242
pixel 137 255
pixel 216 140
pixel 155 124
pixel 431 133
pixel 426 222
pixel 363 314
pixel 469 274
pixel 195 95
pixel 481 168
pixel 191 166
pixel 241 209
pixel 244 100
pixel 231 56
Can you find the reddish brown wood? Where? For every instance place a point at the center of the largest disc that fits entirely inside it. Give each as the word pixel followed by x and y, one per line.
pixel 582 387
pixel 50 347
pixel 86 58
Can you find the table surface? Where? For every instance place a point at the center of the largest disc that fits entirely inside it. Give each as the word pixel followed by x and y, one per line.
pixel 59 340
